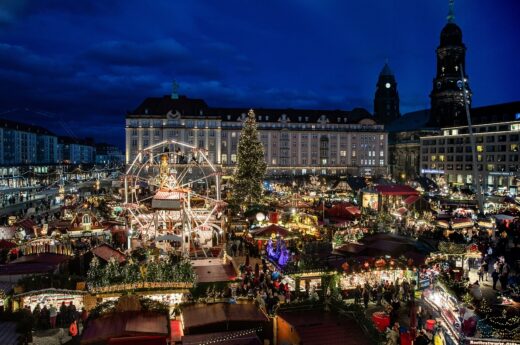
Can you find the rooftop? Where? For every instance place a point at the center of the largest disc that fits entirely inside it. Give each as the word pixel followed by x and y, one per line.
pixel 19 126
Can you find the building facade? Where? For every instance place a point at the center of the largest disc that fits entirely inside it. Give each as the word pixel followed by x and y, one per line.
pixel 449 155
pixel 76 151
pixel 296 142
pixel 26 144
pixel 107 154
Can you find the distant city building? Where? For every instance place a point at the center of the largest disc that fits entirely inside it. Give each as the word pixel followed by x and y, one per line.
pixel 76 151
pixel 296 142
pixel 449 155
pixel 386 100
pixel 406 132
pixel 22 144
pixel 107 154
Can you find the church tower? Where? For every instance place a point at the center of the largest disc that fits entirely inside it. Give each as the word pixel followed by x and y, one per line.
pixel 447 101
pixel 386 100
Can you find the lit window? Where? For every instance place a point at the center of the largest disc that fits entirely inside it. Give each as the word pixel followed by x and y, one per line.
pixel 434 158
pixel 441 158
pixel 381 162
pixel 224 158
pixel 515 127
pixel 381 153
pixel 274 161
pixel 344 153
pixel 233 158
pixel 233 134
pixel 480 148
pixel 514 147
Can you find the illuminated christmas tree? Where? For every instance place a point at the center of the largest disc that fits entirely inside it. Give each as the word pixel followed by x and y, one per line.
pixel 251 166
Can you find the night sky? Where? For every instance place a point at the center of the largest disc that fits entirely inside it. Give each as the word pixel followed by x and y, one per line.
pixel 78 66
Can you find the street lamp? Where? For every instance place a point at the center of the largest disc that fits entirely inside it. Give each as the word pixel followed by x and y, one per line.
pixel 130 233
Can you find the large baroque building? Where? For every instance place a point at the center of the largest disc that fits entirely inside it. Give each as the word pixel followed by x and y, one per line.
pixel 296 142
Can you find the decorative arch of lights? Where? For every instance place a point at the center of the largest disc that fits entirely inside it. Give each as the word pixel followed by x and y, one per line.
pixel 172 191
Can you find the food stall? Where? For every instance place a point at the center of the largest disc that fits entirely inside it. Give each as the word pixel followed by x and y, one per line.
pixel 48 297
pixel 446 309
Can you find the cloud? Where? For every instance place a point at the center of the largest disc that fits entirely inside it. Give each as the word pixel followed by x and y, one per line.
pixel 9 11
pixel 138 54
pixel 18 58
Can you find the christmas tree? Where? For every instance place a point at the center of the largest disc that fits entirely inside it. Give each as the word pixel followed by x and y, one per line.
pixel 251 165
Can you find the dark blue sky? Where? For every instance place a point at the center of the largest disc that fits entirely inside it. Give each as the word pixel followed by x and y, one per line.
pixel 87 62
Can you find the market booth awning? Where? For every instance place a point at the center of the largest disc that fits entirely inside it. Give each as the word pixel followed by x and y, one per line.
pixel 106 252
pixel 411 199
pixel 343 210
pixel 219 316
pixel 125 326
pixel 272 230
pixel 461 223
pixel 396 189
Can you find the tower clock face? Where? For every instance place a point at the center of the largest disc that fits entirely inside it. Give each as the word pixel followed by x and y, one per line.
pixel 439 85
pixel 387 85
pixel 459 84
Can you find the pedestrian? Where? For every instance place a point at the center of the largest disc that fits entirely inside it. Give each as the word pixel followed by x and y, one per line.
pixel 421 339
pixel 73 331
pixel 504 275
pixel 485 266
pixel 495 276
pixel 357 294
pixel 366 296
pixel 481 273
pixel 392 337
pixel 53 313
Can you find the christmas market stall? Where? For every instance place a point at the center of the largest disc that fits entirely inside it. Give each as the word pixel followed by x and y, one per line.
pixel 447 310
pixel 50 297
pixel 373 271
pixel 46 245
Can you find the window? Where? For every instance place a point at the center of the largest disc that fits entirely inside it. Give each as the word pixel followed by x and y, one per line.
pixel 233 158
pixel 344 153
pixel 233 134
pixel 86 219
pixel 514 147
pixel 381 154
pixel 224 158
pixel 381 162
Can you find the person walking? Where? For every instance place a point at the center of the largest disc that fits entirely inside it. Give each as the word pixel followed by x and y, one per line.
pixel 73 331
pixel 481 273
pixel 504 275
pixel 495 275
pixel 366 296
pixel 53 314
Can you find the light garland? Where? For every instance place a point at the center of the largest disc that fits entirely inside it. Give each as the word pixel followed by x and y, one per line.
pixel 235 335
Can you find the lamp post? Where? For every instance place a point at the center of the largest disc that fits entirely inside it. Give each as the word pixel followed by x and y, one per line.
pixel 130 233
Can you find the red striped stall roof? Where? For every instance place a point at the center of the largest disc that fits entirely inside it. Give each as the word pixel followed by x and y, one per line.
pixel 396 189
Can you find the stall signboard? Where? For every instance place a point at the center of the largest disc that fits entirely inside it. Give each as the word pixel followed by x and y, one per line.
pixel 475 341
pixel 424 284
pixel 370 200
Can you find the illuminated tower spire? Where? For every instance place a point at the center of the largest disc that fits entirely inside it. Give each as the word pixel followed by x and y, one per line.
pixel 451 13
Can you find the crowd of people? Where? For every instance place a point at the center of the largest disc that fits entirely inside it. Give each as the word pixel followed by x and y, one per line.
pixel 47 317
pixel 264 285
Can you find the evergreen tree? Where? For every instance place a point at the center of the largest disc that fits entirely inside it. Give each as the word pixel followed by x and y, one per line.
pixel 251 166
